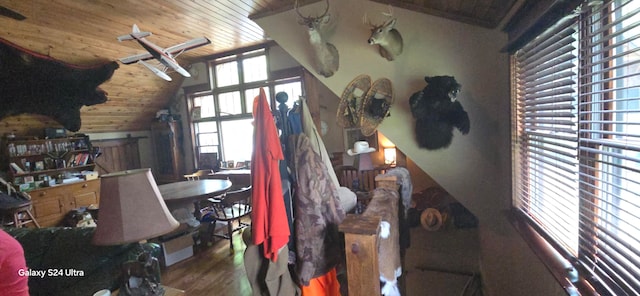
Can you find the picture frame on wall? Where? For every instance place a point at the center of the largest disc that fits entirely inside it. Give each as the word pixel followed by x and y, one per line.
pixel 352 135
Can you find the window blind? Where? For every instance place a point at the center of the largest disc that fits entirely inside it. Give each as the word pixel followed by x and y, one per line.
pixel 577 141
pixel 609 141
pixel 546 107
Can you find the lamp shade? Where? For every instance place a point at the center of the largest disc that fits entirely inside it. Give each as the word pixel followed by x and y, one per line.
pixel 131 209
pixel 364 162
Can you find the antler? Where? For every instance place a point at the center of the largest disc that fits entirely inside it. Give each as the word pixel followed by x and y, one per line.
pixel 317 17
pixel 390 12
pixel 365 20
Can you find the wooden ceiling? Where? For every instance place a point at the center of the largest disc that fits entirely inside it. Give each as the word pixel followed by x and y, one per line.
pixel 484 13
pixel 84 32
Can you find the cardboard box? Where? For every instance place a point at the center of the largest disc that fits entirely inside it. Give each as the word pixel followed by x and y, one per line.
pixel 177 249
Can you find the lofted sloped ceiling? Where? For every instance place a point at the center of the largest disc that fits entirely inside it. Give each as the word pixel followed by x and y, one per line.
pixel 484 13
pixel 84 33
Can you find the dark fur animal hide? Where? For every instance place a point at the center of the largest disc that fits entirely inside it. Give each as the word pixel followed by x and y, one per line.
pixel 437 112
pixel 34 83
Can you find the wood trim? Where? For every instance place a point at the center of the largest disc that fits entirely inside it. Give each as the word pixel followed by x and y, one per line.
pixel 192 89
pixel 568 275
pixel 522 28
pixel 249 48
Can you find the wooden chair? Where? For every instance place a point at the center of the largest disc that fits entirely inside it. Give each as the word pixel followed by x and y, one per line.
pixel 365 179
pixel 16 212
pixel 197 175
pixel 346 175
pixel 208 161
pixel 233 206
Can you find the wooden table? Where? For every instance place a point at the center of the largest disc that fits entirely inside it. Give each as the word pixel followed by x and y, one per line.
pixel 186 194
pixel 239 177
pixel 190 191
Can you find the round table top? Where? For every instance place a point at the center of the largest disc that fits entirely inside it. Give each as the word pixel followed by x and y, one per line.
pixel 232 172
pixel 188 190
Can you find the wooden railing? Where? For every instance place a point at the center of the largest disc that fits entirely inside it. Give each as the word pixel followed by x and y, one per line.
pixel 366 179
pixel 361 234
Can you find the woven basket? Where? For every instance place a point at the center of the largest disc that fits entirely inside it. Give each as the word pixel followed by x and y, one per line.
pixel 380 90
pixel 350 106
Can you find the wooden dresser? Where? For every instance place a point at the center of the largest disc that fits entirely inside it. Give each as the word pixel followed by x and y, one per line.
pixel 51 204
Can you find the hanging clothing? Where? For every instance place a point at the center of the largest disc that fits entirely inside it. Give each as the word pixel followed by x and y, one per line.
pixel 348 198
pixel 310 130
pixel 268 218
pixel 265 276
pixel 318 213
pixel 324 285
pixel 295 120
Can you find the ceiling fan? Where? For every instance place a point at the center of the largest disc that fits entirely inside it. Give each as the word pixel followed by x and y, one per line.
pixel 11 14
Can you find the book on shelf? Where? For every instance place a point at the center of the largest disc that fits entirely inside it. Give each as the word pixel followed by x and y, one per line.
pixel 16 168
pixel 79 159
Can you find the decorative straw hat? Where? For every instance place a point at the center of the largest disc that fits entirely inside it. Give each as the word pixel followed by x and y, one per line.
pixel 376 105
pixel 350 106
pixel 431 219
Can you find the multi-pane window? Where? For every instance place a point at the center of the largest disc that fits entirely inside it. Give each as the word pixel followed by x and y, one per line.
pixel 222 119
pixel 577 141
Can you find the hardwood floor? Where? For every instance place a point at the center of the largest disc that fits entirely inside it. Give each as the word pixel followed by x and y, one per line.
pixel 211 271
pixel 436 263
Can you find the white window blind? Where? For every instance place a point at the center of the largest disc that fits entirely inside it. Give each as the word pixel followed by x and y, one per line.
pixel 610 146
pixel 546 77
pixel 577 141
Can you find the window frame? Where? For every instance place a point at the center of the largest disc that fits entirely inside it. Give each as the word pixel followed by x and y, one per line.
pixel 274 78
pixel 568 268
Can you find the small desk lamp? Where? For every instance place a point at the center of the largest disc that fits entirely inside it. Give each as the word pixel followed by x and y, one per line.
pixel 132 210
pixel 390 156
pixel 361 151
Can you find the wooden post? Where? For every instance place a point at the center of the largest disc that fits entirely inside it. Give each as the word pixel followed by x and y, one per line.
pixel 361 248
pixel 361 233
pixel 383 181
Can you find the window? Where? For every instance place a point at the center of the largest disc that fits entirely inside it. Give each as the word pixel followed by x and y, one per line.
pixel 577 141
pixel 222 120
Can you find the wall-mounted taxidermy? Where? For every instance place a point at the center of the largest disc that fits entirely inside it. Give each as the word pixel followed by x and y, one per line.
pixel 325 54
pixel 387 38
pixel 437 112
pixel 35 83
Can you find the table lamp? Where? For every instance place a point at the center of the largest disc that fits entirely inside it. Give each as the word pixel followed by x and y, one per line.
pixel 390 156
pixel 132 210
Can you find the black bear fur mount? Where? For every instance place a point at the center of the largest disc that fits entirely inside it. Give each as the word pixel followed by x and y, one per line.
pixel 437 112
pixel 35 83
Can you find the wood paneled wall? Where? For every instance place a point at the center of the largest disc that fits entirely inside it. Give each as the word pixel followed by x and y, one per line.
pixel 117 155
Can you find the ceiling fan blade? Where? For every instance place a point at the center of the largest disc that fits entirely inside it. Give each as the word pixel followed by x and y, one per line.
pixel 12 14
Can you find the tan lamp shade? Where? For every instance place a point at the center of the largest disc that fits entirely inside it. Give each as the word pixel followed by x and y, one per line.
pixel 131 209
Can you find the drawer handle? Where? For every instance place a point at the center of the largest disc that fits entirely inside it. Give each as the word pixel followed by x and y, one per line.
pixel 84 185
pixel 43 193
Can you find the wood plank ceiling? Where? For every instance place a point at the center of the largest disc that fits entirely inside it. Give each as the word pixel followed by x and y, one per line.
pixel 84 33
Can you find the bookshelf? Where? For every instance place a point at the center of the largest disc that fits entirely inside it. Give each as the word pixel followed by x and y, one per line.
pixel 35 163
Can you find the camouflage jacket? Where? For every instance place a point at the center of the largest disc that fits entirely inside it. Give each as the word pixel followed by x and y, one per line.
pixel 317 213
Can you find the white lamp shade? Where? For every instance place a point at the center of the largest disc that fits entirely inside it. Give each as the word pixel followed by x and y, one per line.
pixel 131 209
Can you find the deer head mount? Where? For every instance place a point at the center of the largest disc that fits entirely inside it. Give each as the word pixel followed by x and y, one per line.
pixel 325 54
pixel 387 38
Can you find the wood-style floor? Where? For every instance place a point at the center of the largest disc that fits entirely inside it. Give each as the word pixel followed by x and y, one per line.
pixel 436 264
pixel 211 271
